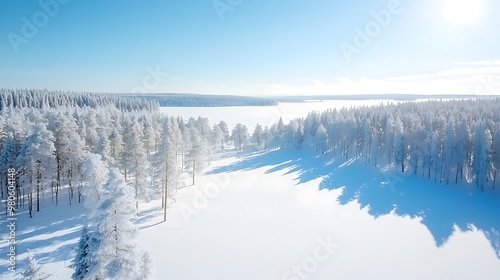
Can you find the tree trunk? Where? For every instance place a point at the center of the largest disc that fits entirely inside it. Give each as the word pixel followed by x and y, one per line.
pixel 58 181
pixel 30 204
pixel 494 178
pixel 182 161
pixel 194 169
pixel 69 194
pixel 38 191
pixel 165 197
pixel 57 194
pixel 80 192
pixel 136 185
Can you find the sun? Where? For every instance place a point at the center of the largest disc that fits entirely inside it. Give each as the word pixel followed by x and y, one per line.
pixel 463 12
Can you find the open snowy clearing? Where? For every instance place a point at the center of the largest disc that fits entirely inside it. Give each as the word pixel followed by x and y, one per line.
pixel 261 223
pixel 264 217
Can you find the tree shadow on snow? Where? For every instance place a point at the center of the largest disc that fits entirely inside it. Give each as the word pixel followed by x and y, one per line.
pixel 440 206
pixel 52 235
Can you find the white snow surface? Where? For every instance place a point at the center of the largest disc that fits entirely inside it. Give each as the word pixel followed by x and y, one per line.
pixel 264 222
pixel 264 115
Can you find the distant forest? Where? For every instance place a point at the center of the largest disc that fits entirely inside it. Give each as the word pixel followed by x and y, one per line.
pixel 206 100
pixel 201 100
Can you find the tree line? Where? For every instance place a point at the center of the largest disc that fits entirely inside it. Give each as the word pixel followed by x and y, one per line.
pixel 48 146
pixel 43 98
pixel 445 141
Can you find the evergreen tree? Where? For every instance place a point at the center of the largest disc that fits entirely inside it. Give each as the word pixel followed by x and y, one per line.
pixel 94 173
pixel 217 139
pixel 33 270
pixel 85 255
pixel 240 136
pixel 258 135
pixel 36 163
pixel 118 255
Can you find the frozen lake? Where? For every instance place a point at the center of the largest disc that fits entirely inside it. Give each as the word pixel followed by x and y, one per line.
pixel 264 115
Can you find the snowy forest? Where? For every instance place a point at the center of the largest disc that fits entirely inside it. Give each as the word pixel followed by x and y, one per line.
pixel 112 154
pixel 444 141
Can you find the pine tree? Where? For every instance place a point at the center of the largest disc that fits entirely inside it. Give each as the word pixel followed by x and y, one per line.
pixel 36 163
pixel 389 137
pixel 7 160
pixel 135 161
pixel 147 267
pixel 217 139
pixel 257 136
pixel 198 153
pixel 399 144
pixel 496 154
pixel 116 143
pixel 33 271
pixel 103 148
pixel 84 260
pixel 118 255
pixel 240 136
pixel 321 139
pixel 225 131
pixel 167 168
pixel 94 174
pixel 449 150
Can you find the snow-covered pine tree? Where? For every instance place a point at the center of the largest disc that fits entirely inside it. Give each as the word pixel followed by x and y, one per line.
pixel 225 131
pixel 198 153
pixel 240 136
pixel 36 163
pixel 135 161
pixel 463 140
pixel 84 260
pixel 266 137
pixel 321 139
pixel 217 138
pixel 92 129
pixel 375 146
pixel 103 148
pixel 449 151
pixel 94 172
pixel 33 270
pixel 482 155
pixel 118 255
pixel 496 154
pixel 257 136
pixel 116 141
pixel 9 153
pixel 147 267
pixel 166 166
pixel 399 143
pixel 389 137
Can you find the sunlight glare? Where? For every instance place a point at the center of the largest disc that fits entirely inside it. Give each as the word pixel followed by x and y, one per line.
pixel 463 12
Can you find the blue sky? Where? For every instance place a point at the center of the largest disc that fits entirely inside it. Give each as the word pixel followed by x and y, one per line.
pixel 254 47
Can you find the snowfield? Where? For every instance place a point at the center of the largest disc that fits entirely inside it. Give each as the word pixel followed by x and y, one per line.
pixel 264 115
pixel 268 216
pixel 263 223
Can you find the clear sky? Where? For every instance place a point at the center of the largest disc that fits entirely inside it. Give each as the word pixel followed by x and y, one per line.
pixel 252 47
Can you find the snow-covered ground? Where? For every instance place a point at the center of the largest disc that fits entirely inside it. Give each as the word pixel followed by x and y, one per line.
pixel 255 219
pixel 282 216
